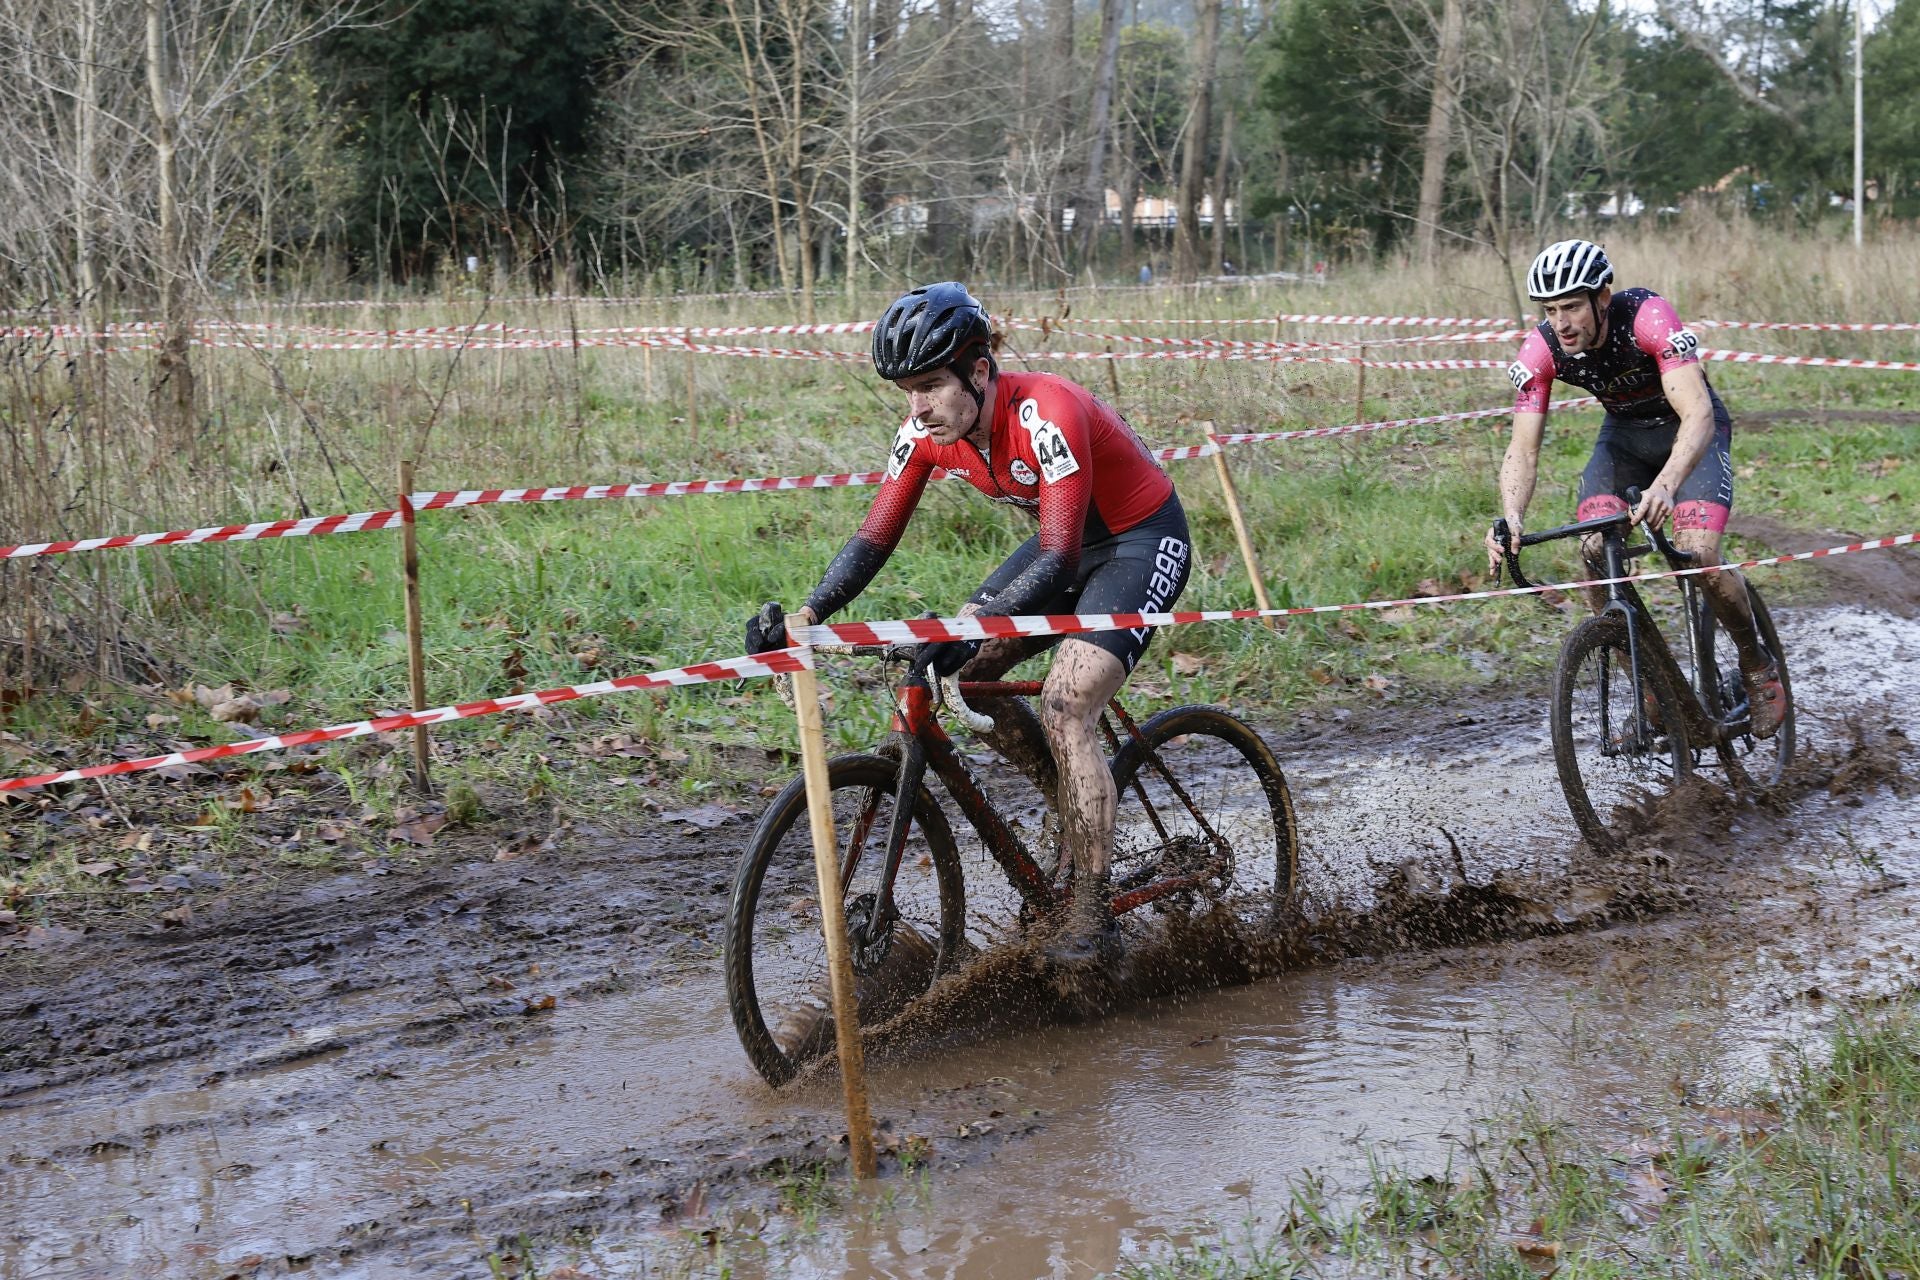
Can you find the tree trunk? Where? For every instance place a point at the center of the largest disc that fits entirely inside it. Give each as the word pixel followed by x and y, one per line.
pixel 1220 165
pixel 750 76
pixel 856 76
pixel 173 385
pixel 1129 177
pixel 1439 141
pixel 1193 154
pixel 1093 199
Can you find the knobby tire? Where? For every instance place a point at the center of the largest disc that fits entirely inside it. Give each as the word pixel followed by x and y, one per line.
pixel 1236 785
pixel 1593 706
pixel 775 954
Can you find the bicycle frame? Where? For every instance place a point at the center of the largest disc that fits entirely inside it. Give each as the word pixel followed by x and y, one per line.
pixel 1709 722
pixel 924 744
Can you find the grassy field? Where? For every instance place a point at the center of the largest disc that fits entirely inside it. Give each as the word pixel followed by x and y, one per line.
pixel 532 597
pixel 1812 1177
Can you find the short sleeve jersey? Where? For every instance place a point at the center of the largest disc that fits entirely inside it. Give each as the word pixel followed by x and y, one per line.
pixel 1055 451
pixel 1644 339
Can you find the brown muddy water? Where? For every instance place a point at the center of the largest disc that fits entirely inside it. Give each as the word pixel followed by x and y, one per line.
pixel 372 1083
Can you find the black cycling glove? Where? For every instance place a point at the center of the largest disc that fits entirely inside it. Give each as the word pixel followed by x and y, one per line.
pixel 946 657
pixel 767 629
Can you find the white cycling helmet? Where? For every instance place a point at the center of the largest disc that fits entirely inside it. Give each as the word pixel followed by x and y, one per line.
pixel 1569 266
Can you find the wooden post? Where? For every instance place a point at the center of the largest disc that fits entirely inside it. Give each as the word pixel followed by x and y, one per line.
pixel 1273 362
pixel 1113 376
pixel 833 923
pixel 1232 496
pixel 416 652
pixel 1360 388
pixel 693 398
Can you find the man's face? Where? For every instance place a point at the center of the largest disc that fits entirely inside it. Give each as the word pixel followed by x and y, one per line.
pixel 1576 319
pixel 942 404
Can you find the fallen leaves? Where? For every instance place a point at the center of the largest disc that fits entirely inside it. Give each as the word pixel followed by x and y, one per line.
pixel 703 817
pixel 414 827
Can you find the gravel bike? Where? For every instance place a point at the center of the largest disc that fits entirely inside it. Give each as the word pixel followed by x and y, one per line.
pixel 1630 717
pixel 1204 820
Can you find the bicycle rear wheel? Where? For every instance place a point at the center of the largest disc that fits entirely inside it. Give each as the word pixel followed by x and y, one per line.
pixel 1616 747
pixel 776 958
pixel 1208 796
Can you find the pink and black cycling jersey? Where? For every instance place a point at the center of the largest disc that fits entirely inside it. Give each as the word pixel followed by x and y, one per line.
pixel 1644 340
pixel 1054 450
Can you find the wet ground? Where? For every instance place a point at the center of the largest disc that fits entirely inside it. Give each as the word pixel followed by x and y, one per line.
pixel 473 1068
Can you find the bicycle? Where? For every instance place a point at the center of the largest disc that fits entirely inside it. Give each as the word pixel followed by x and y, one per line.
pixel 1204 819
pixel 1617 749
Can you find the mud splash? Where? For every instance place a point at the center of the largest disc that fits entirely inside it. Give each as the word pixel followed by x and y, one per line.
pixel 373 1080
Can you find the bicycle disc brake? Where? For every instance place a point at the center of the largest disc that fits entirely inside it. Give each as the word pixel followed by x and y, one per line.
pixel 870 945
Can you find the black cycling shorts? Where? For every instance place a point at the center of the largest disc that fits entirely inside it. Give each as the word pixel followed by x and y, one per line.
pixel 1143 570
pixel 1628 453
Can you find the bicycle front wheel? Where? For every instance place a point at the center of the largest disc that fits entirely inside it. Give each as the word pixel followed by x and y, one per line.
pixel 1617 747
pixel 1200 792
pixel 776 958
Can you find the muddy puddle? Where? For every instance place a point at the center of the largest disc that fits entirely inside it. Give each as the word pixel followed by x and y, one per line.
pixel 400 1127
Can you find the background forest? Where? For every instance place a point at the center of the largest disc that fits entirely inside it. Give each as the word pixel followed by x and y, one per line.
pixel 189 150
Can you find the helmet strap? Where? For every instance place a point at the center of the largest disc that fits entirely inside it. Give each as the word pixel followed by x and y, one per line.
pixel 963 370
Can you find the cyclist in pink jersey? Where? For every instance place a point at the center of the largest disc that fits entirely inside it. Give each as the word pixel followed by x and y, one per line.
pixel 1112 538
pixel 1665 432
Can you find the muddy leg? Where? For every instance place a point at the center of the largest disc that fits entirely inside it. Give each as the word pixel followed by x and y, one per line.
pixel 1017 732
pixel 1726 595
pixel 1083 679
pixel 1593 555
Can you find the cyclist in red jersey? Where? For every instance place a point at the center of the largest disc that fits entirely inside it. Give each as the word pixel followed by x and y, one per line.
pixel 1112 538
pixel 1665 431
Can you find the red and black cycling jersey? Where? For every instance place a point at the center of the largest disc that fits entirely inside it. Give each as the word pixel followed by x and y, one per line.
pixel 1644 340
pixel 1054 450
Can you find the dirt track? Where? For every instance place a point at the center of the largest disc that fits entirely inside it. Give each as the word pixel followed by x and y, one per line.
pixel 401 1073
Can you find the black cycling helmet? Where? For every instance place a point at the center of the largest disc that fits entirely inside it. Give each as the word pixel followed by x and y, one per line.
pixel 932 327
pixel 1568 266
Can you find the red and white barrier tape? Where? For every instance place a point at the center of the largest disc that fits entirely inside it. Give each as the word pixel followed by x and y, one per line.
pixel 1259 344
pixel 765 664
pixel 1458 322
pixel 908 631
pixel 1834 326
pixel 981 627
pixel 1504 411
pixel 436 500
pixel 355 523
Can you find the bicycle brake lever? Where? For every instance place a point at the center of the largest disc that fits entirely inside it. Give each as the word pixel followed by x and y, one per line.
pixel 978 721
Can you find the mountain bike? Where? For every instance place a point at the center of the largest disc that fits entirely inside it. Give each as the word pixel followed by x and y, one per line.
pixel 1204 821
pixel 1630 717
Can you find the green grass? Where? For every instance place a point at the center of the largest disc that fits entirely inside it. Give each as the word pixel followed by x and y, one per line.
pixel 535 596
pixel 1814 1177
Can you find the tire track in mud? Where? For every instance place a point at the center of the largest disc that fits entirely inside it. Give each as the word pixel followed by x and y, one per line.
pixel 421 961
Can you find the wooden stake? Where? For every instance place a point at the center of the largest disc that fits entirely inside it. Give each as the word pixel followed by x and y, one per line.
pixel 416 652
pixel 1113 376
pixel 1232 496
pixel 693 398
pixel 646 367
pixel 833 922
pixel 1360 389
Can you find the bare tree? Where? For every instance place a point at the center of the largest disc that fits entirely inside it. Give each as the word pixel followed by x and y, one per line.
pixel 1194 146
pixel 1438 145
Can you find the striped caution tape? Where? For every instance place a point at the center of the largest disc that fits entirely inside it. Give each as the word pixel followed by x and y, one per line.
pixel 437 500
pixel 766 664
pixel 1503 411
pixel 982 627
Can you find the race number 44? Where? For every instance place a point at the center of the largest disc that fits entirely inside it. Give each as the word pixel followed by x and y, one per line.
pixel 1050 448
